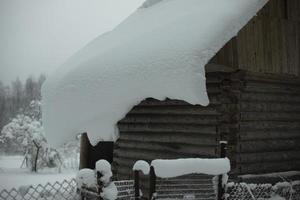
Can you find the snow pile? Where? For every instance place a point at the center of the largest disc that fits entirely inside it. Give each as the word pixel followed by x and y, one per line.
pixel 109 190
pixel 104 168
pixel 159 51
pixel 141 165
pixel 180 167
pixel 86 178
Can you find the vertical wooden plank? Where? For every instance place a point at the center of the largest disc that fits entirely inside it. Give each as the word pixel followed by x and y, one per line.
pixel 152 183
pixel 84 151
pixel 136 184
pixel 251 46
pixel 297 24
pixel 284 61
pixel 292 51
pixel 275 46
pixel 235 57
pixel 259 48
pixel 241 48
pixel 293 7
pixel 266 45
pixel 246 47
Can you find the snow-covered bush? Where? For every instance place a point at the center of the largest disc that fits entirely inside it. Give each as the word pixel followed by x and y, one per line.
pixel 109 189
pixel 98 180
pixel 86 178
pixel 25 135
pixel 17 135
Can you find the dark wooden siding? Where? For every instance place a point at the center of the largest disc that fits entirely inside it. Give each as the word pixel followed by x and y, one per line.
pixel 269 125
pixel 269 43
pixel 258 114
pixel 173 129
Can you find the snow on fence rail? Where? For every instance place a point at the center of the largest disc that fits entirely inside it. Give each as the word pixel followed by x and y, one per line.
pixel 65 190
pixel 280 191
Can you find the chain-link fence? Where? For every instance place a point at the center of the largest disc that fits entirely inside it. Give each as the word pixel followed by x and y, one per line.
pixel 65 190
pixel 244 191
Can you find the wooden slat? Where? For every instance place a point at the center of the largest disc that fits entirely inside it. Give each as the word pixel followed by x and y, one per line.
pixel 164 118
pixel 268 145
pixel 248 135
pixel 268 157
pixel 293 7
pixel 199 149
pixel 263 97
pixel 160 127
pixel 260 168
pixel 269 107
pixel 270 116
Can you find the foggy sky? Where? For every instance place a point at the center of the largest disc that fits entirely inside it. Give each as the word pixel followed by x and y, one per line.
pixel 37 36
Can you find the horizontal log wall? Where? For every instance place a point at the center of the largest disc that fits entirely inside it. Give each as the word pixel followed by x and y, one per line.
pixel 269 43
pixel 174 129
pixel 269 125
pixel 258 114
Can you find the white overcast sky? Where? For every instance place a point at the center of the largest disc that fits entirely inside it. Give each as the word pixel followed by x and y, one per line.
pixel 37 36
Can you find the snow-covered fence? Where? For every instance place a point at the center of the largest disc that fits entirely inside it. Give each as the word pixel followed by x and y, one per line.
pixel 65 190
pixel 280 191
pixel 192 186
pixel 192 178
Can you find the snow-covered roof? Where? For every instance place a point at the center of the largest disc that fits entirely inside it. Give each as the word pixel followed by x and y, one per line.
pixel 159 51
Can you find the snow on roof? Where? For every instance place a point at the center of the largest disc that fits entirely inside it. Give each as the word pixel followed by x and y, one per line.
pixel 180 167
pixel 159 51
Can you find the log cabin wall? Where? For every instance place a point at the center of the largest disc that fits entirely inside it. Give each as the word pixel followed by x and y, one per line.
pixel 174 129
pixel 269 43
pixel 269 124
pixel 258 114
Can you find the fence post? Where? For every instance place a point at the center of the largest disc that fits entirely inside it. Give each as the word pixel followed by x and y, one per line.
pixel 99 183
pixel 221 189
pixel 136 184
pixel 152 185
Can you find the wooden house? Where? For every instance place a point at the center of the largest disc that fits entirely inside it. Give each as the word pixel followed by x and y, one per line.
pixel 253 84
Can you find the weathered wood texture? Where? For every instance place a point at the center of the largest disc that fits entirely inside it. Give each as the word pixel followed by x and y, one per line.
pixel 89 154
pixel 269 43
pixel 172 129
pixel 269 124
pixel 258 114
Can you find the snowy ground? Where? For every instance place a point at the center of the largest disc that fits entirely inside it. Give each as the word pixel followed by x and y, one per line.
pixel 12 176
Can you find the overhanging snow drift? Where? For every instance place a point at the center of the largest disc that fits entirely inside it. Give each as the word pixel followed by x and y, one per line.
pixel 159 51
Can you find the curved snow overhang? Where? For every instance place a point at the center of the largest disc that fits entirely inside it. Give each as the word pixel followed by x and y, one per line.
pixel 159 51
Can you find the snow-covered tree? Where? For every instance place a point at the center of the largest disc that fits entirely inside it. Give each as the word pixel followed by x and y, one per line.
pixel 25 134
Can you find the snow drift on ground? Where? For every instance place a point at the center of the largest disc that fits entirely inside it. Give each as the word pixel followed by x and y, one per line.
pixel 159 51
pixel 179 167
pixel 12 176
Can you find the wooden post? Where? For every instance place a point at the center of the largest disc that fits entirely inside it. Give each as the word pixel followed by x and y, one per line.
pixel 85 147
pixel 223 146
pixel 152 186
pixel 221 190
pixel 99 183
pixel 136 184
